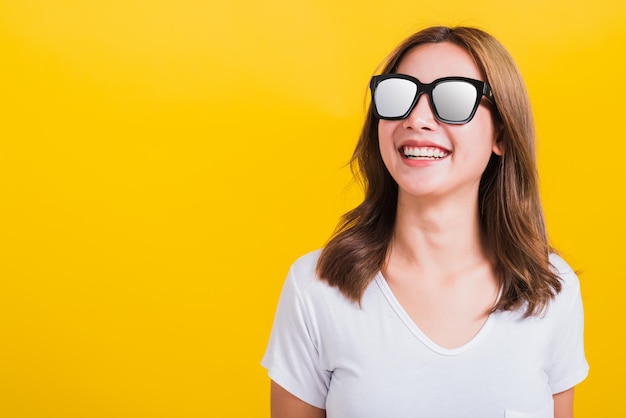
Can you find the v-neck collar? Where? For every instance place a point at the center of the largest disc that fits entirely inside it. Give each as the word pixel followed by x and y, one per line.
pixel 412 326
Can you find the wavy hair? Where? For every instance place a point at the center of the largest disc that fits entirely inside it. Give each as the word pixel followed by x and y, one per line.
pixel 511 217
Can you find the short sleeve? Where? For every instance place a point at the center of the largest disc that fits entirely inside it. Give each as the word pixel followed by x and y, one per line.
pixel 292 355
pixel 567 365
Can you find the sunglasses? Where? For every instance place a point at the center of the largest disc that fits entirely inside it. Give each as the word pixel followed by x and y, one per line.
pixel 454 100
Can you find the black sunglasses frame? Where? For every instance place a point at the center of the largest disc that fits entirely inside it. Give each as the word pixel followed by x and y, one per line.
pixel 482 89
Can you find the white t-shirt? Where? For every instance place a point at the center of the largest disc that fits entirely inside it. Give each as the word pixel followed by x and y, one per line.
pixel 373 361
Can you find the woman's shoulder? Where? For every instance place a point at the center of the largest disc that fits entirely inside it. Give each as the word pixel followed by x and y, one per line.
pixel 303 273
pixel 306 263
pixel 304 283
pixel 570 284
pixel 568 276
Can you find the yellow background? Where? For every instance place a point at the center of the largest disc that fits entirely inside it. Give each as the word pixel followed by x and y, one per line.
pixel 163 162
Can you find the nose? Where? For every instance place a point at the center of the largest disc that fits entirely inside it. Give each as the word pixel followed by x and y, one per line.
pixel 422 116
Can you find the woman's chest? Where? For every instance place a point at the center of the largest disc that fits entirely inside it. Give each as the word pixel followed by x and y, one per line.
pixel 388 368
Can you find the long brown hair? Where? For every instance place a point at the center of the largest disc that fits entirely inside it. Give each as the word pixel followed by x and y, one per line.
pixel 511 217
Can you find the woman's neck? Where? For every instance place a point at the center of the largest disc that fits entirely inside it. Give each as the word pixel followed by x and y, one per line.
pixel 438 234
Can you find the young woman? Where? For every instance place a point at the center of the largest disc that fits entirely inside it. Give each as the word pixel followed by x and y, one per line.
pixel 439 295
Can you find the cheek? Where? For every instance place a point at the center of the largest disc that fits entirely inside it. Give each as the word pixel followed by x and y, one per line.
pixel 484 133
pixel 385 133
pixel 487 140
pixel 385 140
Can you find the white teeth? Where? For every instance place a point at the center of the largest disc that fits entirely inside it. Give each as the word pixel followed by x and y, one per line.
pixel 423 152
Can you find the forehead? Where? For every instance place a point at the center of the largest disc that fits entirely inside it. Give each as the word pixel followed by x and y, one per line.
pixel 431 61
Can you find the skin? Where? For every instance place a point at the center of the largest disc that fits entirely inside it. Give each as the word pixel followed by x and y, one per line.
pixel 564 404
pixel 450 287
pixel 286 405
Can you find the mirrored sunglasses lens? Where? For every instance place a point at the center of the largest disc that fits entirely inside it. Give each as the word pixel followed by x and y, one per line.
pixel 454 100
pixel 393 97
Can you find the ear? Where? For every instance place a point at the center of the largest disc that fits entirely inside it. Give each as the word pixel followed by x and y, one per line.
pixel 497 147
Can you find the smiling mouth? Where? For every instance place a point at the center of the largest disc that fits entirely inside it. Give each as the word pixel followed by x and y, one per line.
pixel 423 153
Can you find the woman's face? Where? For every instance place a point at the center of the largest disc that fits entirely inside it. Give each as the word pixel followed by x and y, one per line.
pixel 463 151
